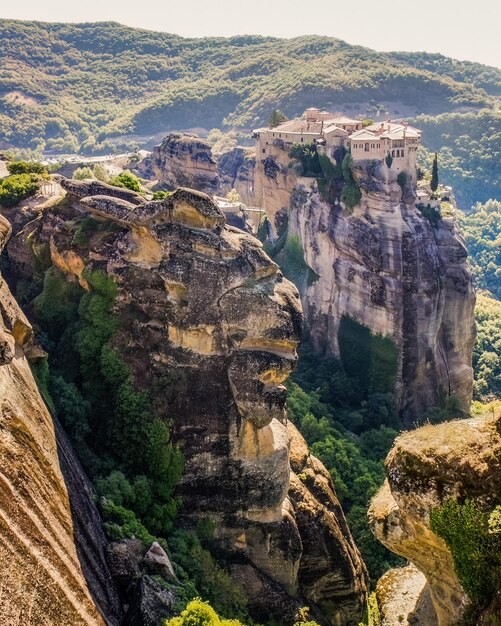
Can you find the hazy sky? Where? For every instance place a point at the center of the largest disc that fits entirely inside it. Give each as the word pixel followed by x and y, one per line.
pixel 463 29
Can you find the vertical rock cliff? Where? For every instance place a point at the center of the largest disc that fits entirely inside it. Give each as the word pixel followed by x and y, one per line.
pixel 200 302
pixel 41 576
pixel 382 264
pixel 385 266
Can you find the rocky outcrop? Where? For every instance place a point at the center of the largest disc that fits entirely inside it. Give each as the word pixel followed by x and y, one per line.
pixel 385 266
pixel 182 161
pixel 187 161
pixel 201 303
pixel 403 598
pixel 42 579
pixel 460 460
pixel 236 170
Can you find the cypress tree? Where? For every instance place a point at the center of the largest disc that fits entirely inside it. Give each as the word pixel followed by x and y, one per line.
pixel 434 174
pixel 276 118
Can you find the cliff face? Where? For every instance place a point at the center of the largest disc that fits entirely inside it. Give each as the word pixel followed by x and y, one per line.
pixel 388 268
pixel 41 575
pixel 182 160
pixel 383 265
pixel 459 459
pixel 200 302
pixel 187 161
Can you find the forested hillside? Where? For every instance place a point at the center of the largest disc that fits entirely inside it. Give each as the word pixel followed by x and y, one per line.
pixel 67 86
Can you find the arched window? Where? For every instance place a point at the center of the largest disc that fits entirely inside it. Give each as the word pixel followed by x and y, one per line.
pixel 393 153
pixel 402 153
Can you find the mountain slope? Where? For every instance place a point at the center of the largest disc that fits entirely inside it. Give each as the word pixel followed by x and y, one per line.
pixel 68 85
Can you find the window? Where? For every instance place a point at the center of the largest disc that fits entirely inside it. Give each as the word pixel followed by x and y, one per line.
pixel 264 150
pixel 302 139
pixel 367 147
pixel 402 153
pixel 393 153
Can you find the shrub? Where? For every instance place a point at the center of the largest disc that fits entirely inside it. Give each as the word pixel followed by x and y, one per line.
pixel 127 180
pixel 276 118
pixel 476 552
pixel 83 173
pixel 17 187
pixel 351 194
pixel 306 153
pixel 26 167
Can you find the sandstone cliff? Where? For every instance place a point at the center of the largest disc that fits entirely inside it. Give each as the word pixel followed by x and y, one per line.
pixel 383 264
pixel 41 576
pixel 201 302
pixel 182 160
pixel 460 460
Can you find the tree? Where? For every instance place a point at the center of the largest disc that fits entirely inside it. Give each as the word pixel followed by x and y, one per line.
pixel 126 179
pixel 434 174
pixel 83 173
pixel 233 196
pixel 100 172
pixel 276 118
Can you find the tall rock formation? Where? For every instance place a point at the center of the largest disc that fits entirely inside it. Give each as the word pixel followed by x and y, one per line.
pixel 459 459
pixel 41 576
pixel 182 161
pixel 201 303
pixel 384 265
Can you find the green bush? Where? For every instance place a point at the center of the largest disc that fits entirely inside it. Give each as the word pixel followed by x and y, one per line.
pixel 306 154
pixel 432 214
pixel 83 173
pixel 351 194
pixel 126 179
pixel 17 187
pixel 199 613
pixel 475 551
pixel 26 167
pixel 195 563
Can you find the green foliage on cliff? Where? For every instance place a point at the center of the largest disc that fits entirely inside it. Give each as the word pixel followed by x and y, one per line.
pixel 17 187
pixel 124 448
pixel 475 550
pixel 126 179
pixel 351 194
pixel 481 228
pixel 306 154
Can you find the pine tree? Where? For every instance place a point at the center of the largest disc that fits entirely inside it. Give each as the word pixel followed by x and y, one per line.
pixel 276 118
pixel 434 174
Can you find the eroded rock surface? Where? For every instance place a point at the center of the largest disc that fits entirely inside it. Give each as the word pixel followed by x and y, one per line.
pixel 387 267
pixel 459 459
pixel 201 301
pixel 41 577
pixel 383 264
pixel 182 161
